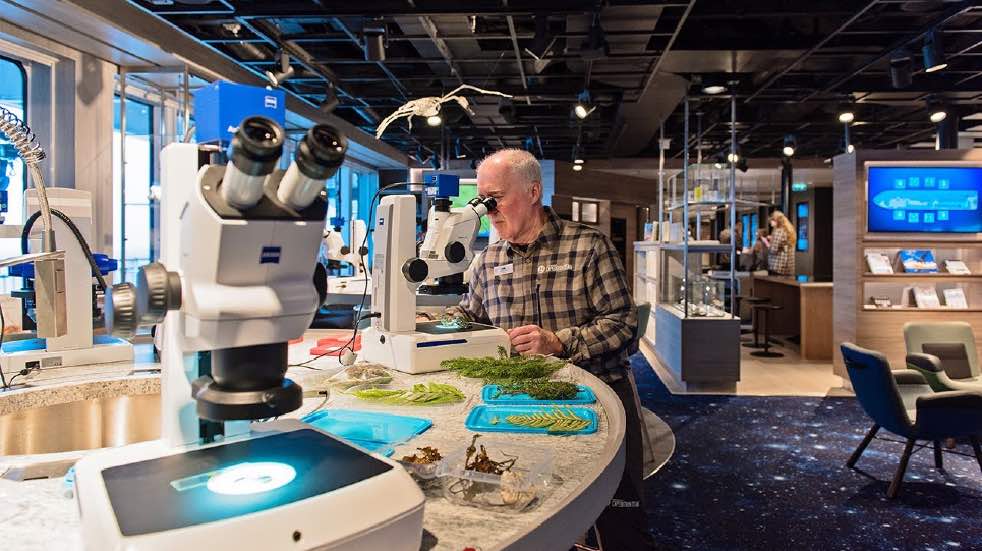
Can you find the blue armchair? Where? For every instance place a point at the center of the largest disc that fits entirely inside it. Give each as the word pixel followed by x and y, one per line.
pixel 939 415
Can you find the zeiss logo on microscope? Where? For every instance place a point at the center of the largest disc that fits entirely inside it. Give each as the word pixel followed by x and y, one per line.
pixel 269 102
pixel 270 255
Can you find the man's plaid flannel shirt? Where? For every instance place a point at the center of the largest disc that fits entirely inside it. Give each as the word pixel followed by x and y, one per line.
pixel 569 281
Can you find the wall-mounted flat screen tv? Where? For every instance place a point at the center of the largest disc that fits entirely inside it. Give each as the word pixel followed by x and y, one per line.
pixel 923 199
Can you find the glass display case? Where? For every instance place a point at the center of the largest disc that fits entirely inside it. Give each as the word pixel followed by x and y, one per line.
pixel 689 291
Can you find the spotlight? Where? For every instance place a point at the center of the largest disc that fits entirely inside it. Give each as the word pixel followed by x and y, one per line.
pixel 458 150
pixel 506 108
pixel 277 78
pixel 434 120
pixel 790 144
pixel 577 168
pixel 732 157
pixel 375 37
pixel 900 69
pixel 850 148
pixel 742 165
pixel 712 85
pixel 330 99
pixel 595 46
pixel 578 161
pixel 846 114
pixel 933 52
pixel 936 111
pixel 583 108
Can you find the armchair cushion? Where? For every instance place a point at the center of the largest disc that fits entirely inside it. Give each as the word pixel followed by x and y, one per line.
pixel 949 415
pixel 952 355
pixel 924 362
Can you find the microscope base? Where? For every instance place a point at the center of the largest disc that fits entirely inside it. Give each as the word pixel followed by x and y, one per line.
pixel 235 495
pixel 422 351
pixel 31 354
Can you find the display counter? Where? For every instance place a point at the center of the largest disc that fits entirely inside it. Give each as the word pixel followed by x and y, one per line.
pixel 806 316
pixel 37 515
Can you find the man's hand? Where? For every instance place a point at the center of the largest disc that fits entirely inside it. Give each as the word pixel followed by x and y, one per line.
pixel 532 339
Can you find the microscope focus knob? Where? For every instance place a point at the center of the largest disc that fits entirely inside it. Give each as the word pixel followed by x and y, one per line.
pixel 415 270
pixel 157 291
pixel 120 310
pixel 455 252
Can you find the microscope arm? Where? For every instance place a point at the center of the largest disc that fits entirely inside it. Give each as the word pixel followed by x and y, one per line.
pixel 447 247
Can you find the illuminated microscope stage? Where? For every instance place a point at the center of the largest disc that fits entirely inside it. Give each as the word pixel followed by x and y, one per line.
pixel 422 350
pixel 300 488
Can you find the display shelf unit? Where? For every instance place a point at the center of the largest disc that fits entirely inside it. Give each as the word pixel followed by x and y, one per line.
pixel 881 328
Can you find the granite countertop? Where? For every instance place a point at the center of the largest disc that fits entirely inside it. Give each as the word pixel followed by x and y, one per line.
pixel 35 514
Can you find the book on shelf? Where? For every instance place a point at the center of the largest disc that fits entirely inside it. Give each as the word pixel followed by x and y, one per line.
pixel 956 267
pixel 926 296
pixel 881 302
pixel 955 298
pixel 918 261
pixel 879 263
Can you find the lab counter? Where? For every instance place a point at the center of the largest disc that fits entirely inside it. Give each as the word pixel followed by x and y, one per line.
pixel 806 315
pixel 36 515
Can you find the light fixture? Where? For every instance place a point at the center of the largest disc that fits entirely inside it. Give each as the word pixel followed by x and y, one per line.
pixel 578 161
pixel 277 78
pixel 577 168
pixel 732 157
pixel 900 69
pixel 595 46
pixel 936 111
pixel 742 164
pixel 850 148
pixel 790 144
pixel 583 108
pixel 713 85
pixel 458 150
pixel 933 52
pixel 434 120
pixel 375 37
pixel 846 114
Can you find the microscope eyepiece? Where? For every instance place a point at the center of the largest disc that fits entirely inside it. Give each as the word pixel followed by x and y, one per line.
pixel 483 205
pixel 256 147
pixel 319 155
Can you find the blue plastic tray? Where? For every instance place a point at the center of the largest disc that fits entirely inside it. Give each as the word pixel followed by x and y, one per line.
pixel 367 426
pixel 479 419
pixel 583 396
pixel 374 447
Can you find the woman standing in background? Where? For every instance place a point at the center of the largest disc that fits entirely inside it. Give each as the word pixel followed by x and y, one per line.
pixel 780 245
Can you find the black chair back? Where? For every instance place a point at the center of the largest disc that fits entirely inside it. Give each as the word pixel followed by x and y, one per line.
pixel 875 388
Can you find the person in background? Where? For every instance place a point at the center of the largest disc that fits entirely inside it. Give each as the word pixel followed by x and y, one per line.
pixel 559 288
pixel 780 245
pixel 757 259
pixel 724 238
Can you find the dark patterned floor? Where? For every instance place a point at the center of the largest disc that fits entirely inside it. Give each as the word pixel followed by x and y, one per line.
pixel 768 473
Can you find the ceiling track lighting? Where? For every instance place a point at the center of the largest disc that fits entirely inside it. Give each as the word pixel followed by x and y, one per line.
pixel 277 78
pixel 937 111
pixel 583 107
pixel 790 145
pixel 846 114
pixel 713 84
pixel 901 69
pixel 933 52
pixel 434 120
pixel 376 37
pixel 577 168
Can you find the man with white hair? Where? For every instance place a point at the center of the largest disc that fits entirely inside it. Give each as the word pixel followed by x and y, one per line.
pixel 559 288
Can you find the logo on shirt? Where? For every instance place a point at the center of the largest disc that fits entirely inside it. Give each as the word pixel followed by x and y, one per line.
pixel 555 268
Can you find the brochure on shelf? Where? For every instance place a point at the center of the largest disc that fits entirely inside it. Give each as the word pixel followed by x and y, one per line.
pixel 926 296
pixel 955 298
pixel 956 267
pixel 918 261
pixel 879 263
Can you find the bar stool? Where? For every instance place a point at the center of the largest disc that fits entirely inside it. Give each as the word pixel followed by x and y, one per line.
pixel 754 301
pixel 766 309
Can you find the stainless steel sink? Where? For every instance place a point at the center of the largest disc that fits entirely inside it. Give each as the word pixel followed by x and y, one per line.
pixel 81 425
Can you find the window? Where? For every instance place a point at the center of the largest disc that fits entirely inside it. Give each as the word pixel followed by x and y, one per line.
pixel 132 214
pixel 13 91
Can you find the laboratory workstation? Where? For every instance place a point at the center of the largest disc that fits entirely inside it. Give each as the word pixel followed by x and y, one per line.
pixel 492 275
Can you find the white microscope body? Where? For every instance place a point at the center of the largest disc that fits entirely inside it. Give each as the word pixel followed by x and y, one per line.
pixel 335 249
pixel 78 346
pixel 235 284
pixel 395 338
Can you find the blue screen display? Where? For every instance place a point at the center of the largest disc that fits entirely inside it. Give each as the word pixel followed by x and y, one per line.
pixel 802 215
pixel 920 199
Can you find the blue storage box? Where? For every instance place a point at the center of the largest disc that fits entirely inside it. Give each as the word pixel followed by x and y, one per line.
pixel 221 106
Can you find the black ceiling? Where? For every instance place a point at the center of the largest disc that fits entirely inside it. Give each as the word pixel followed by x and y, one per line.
pixel 791 64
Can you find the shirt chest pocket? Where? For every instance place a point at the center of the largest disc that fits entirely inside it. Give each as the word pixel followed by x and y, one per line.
pixel 562 292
